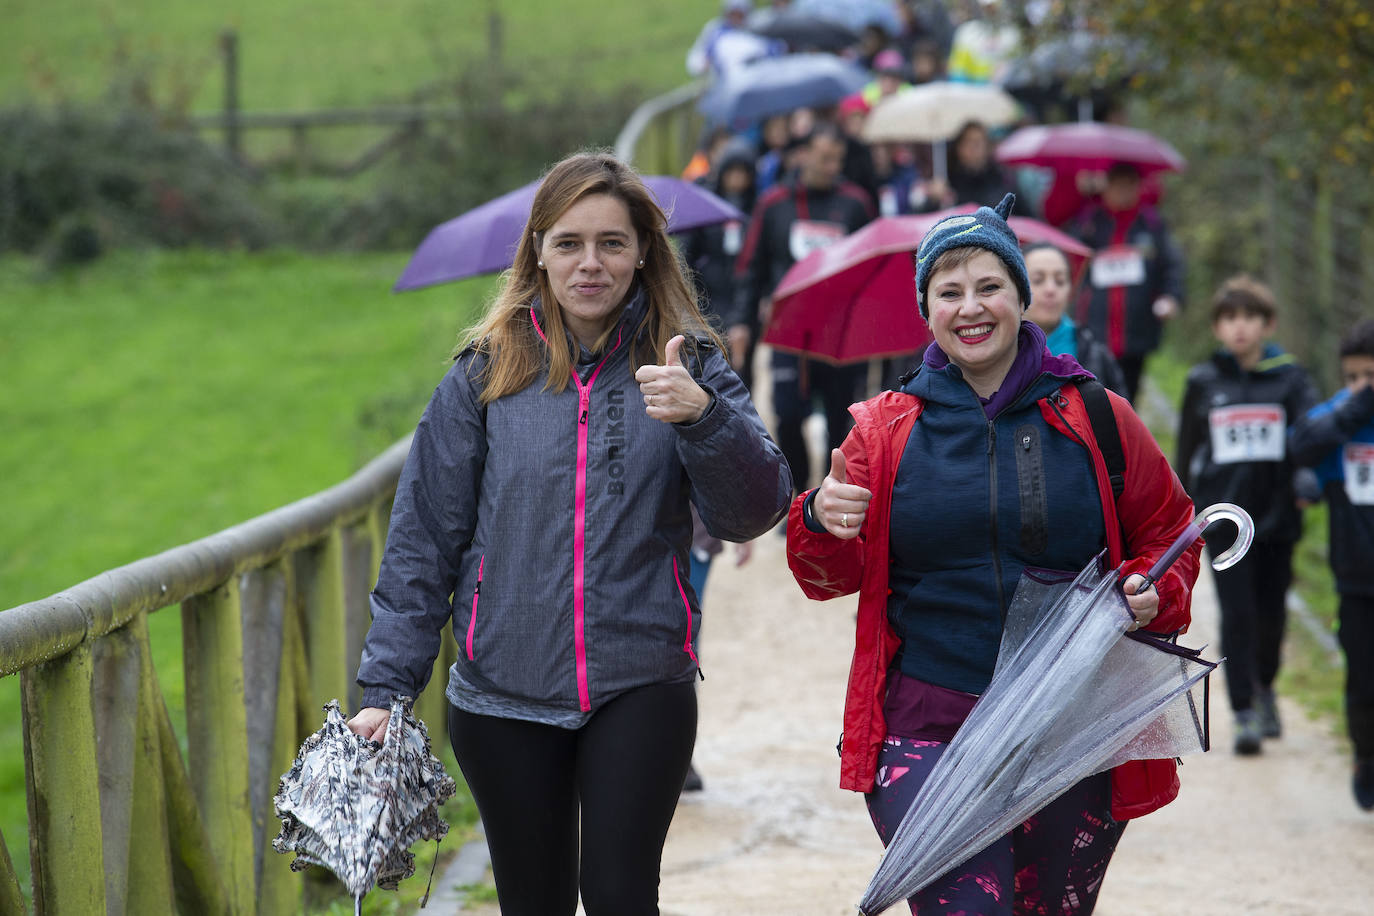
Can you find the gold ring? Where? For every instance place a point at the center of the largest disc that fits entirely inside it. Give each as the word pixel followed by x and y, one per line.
pixel 844 519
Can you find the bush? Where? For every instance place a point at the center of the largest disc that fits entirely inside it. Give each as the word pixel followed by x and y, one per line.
pixel 79 181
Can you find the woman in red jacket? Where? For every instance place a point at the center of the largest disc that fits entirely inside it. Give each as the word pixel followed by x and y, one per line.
pixel 983 465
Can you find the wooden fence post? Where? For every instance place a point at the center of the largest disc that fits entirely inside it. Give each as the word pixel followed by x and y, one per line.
pixel 150 863
pixel 319 575
pixel 11 895
pixel 114 701
pixel 63 786
pixel 229 46
pixel 217 734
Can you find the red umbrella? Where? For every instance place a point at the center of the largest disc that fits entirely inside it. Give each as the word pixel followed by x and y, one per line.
pixel 856 299
pixel 1089 145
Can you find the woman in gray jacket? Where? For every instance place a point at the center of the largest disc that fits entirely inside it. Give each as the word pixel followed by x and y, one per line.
pixel 544 510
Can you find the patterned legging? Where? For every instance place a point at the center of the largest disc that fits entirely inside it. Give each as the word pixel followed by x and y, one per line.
pixel 1051 865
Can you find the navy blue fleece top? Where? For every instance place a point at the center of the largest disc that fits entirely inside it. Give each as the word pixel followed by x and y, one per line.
pixel 983 490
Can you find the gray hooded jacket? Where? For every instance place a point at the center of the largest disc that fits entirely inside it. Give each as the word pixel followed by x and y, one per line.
pixel 554 530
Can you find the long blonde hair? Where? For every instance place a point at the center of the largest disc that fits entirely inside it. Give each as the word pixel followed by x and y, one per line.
pixel 516 352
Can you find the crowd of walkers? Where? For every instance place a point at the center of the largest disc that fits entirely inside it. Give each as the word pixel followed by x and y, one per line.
pixel 596 439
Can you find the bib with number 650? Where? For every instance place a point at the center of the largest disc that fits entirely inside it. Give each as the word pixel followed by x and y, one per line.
pixel 1248 432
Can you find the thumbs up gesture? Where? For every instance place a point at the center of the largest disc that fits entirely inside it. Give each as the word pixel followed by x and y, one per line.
pixel 840 505
pixel 670 393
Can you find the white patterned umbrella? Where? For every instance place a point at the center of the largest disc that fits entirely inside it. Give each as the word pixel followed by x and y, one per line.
pixel 355 806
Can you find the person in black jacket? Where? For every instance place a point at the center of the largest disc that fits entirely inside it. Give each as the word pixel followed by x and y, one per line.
pixel 815 209
pixel 975 176
pixel 1051 283
pixel 1232 447
pixel 711 252
pixel 1337 438
pixel 1135 284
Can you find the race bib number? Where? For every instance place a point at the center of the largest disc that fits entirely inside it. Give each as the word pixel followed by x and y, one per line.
pixel 810 235
pixel 1358 462
pixel 1120 265
pixel 731 236
pixel 1248 432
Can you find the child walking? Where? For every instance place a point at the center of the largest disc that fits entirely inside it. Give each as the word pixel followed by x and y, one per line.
pixel 1337 437
pixel 1232 438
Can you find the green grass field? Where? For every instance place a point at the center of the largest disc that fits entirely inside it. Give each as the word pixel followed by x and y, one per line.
pixel 302 54
pixel 156 398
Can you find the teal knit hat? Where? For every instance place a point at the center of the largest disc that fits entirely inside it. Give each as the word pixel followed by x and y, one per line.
pixel 985 228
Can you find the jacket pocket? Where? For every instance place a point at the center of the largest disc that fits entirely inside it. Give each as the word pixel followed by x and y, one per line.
pixel 687 609
pixel 476 594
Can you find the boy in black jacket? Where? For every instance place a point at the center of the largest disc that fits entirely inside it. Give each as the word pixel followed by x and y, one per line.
pixel 1232 438
pixel 1337 437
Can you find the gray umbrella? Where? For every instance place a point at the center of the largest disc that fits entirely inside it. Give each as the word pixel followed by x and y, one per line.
pixel 355 806
pixel 1069 697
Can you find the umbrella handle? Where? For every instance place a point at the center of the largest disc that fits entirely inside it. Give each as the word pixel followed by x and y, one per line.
pixel 1245 533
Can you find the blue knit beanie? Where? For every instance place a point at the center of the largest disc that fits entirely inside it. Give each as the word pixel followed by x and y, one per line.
pixel 985 228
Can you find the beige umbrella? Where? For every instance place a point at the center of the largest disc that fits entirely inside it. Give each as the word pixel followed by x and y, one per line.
pixel 934 112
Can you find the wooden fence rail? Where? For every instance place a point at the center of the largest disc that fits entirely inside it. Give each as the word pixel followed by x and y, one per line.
pixel 274 612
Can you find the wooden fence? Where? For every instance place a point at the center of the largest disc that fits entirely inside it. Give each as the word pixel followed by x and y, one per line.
pixel 274 612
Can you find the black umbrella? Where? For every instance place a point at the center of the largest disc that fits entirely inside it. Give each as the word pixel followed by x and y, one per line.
pixel 803 32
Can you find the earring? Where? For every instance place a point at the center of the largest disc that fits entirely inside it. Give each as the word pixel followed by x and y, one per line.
pixel 541 265
pixel 641 263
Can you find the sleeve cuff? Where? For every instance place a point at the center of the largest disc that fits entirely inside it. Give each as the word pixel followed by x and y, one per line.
pixel 808 518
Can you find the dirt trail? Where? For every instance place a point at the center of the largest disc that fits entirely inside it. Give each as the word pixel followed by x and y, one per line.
pixel 772 833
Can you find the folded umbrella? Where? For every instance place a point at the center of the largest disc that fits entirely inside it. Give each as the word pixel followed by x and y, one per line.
pixel 856 299
pixel 1068 698
pixel 355 806
pixel 483 240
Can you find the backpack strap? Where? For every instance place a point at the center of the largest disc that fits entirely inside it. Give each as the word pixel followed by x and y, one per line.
pixel 1106 432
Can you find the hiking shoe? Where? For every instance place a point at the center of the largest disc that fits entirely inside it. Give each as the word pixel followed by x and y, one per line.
pixel 693 781
pixel 1268 710
pixel 1247 733
pixel 1363 783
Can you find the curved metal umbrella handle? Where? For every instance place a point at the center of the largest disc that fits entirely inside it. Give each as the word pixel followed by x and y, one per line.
pixel 1245 533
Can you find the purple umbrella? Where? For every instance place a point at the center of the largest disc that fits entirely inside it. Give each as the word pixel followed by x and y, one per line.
pixel 483 240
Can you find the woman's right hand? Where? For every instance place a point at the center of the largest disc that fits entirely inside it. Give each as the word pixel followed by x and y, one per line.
pixel 370 722
pixel 840 506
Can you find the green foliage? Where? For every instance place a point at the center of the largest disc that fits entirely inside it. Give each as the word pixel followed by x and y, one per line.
pixel 77 183
pixel 298 55
pixel 156 397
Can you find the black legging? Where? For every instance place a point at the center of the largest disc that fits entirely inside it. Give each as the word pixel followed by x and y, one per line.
pixel 623 771
pixel 1252 596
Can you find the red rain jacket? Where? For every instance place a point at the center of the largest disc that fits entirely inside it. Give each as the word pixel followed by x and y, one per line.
pixel 1152 509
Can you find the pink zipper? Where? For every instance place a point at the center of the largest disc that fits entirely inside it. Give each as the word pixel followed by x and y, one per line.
pixel 584 401
pixel 687 605
pixel 472 624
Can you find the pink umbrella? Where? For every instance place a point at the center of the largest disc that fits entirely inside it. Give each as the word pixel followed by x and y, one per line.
pixel 856 299
pixel 1089 145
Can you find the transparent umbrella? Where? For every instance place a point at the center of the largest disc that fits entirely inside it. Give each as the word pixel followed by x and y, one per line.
pixel 1069 697
pixel 356 807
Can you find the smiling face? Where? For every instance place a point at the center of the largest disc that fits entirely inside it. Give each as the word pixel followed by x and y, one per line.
pixel 590 253
pixel 975 316
pixel 1049 283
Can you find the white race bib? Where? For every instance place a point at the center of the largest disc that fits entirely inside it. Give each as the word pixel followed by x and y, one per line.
pixel 1248 432
pixel 1120 265
pixel 810 235
pixel 1358 463
pixel 732 234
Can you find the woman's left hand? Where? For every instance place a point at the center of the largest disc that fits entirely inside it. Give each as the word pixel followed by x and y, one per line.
pixel 1144 605
pixel 670 392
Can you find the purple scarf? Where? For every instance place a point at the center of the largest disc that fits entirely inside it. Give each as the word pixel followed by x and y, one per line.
pixel 1032 358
